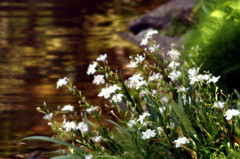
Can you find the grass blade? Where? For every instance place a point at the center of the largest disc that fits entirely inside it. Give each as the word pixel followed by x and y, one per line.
pixel 120 127
pixel 181 116
pixel 67 157
pixel 44 138
pixel 150 107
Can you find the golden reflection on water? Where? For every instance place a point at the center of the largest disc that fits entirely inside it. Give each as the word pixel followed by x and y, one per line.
pixel 42 42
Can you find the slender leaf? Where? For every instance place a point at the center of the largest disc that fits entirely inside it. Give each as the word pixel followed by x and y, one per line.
pixel 120 127
pixel 61 151
pixel 44 138
pixel 181 115
pixel 150 104
pixel 180 102
pixel 90 133
pixel 238 95
pixel 67 157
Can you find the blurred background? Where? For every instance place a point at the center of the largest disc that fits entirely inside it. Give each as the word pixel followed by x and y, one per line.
pixel 44 40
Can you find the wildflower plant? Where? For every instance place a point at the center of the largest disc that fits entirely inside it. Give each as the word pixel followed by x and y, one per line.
pixel 165 109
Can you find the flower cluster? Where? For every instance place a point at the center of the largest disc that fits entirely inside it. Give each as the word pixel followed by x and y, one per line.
pixel 165 107
pixel 68 108
pixel 136 81
pixel 107 91
pixel 148 134
pixel 68 126
pixel 230 113
pixel 148 36
pixel 195 77
pixel 181 141
pixel 136 61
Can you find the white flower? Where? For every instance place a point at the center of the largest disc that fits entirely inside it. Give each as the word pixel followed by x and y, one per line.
pixel 193 71
pixel 144 41
pixel 102 57
pixel 82 127
pixel 214 79
pixel 105 92
pixel 68 126
pixel 193 80
pixel 147 134
pixel 161 110
pixel 139 84
pixel 92 68
pixel 89 156
pixel 98 79
pixel 147 36
pixel 151 32
pixel 117 98
pixel 48 116
pixel 136 78
pixel 202 78
pixel 181 141
pixel 134 81
pixel 154 91
pixel 174 75
pixel 91 109
pixel 173 65
pixel 153 48
pixel 114 87
pixel 139 58
pixel 165 99
pixel 172 125
pixel 62 82
pixel 182 89
pixel 155 76
pixel 228 144
pixel 97 139
pixel 142 93
pixel 131 123
pixel 68 108
pixel 219 105
pixel 132 64
pixel 230 113
pixel 206 77
pixel 174 54
pixel 160 130
pixel 142 117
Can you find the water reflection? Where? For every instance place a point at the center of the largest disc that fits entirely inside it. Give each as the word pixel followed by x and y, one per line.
pixel 43 40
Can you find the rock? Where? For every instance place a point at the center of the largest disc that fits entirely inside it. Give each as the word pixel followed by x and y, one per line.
pixel 160 17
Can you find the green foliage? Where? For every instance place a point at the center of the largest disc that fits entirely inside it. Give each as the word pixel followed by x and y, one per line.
pixel 234 154
pixel 217 37
pixel 177 28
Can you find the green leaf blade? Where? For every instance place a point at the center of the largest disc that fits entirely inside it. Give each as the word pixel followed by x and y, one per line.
pixel 49 139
